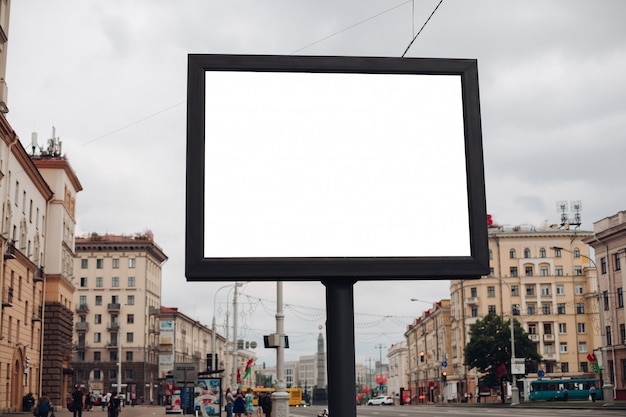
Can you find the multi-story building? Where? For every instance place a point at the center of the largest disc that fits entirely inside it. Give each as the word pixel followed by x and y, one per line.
pixel 397 381
pixel 550 291
pixel 118 304
pixel 609 244
pixel 428 348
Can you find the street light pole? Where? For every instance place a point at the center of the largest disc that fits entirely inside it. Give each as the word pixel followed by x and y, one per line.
pixel 214 330
pixel 607 387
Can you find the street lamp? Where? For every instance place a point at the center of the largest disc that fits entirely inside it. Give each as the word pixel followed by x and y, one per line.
pixel 213 329
pixel 607 387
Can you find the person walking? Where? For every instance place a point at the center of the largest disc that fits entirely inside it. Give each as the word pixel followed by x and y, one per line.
pixel 230 402
pixel 115 405
pixel 266 404
pixel 78 401
pixel 249 402
pixel 565 394
pixel 592 393
pixel 239 405
pixel 105 401
pixel 44 406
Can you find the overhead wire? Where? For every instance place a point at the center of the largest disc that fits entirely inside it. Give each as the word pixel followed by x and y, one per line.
pixel 422 28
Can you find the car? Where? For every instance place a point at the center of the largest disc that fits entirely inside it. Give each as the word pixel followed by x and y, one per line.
pixel 381 400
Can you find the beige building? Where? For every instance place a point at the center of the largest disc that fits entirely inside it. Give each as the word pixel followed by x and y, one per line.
pixel 118 304
pixel 429 343
pixel 609 243
pixel 551 292
pixel 397 381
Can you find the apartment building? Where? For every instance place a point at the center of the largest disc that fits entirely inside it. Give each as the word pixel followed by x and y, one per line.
pixel 118 305
pixel 546 280
pixel 609 243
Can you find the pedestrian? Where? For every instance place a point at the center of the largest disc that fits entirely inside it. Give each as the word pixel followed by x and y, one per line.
pixel 592 393
pixel 249 402
pixel 90 399
pixel 115 405
pixel 259 409
pixel 230 401
pixel 78 400
pixel 133 399
pixel 44 406
pixel 565 394
pixel 105 401
pixel 266 405
pixel 239 405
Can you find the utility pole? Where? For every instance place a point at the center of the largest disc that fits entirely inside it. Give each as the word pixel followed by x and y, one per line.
pixel 380 347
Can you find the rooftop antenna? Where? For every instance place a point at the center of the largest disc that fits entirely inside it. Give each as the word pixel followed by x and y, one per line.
pixel 33 141
pixel 562 207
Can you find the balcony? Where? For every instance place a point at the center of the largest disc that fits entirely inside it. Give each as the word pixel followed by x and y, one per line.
pixel 548 338
pixel 82 326
pixel 113 307
pixel 8 300
pixel 534 337
pixel 153 329
pixel 472 301
pixel 112 345
pixel 549 356
pixel 153 311
pixel 80 346
pixel 82 308
pixel 35 318
pixel 113 327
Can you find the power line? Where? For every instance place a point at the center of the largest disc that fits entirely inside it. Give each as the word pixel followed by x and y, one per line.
pixel 422 28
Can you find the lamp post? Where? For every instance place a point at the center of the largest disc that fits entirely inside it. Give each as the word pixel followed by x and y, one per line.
pixel 607 387
pixel 213 327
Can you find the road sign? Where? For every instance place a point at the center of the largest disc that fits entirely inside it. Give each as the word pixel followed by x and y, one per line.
pixel 444 364
pixel 540 373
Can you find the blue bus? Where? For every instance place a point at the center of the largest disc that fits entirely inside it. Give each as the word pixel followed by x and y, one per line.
pixel 552 389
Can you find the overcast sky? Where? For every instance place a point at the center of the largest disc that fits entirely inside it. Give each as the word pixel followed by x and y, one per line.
pixel 111 77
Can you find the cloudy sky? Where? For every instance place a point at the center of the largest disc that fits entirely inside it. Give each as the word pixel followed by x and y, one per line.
pixel 111 77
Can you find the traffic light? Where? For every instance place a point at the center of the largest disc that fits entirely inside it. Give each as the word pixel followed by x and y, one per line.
pixel 444 375
pixel 489 220
pixel 422 356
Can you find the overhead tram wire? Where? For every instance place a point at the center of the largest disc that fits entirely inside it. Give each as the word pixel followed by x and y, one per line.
pixel 422 28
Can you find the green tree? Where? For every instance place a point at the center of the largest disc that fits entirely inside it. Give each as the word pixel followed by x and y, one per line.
pixel 490 347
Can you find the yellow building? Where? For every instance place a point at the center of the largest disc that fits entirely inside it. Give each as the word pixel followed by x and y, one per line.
pixel 550 291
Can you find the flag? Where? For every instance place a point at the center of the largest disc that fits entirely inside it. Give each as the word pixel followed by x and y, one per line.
pixel 248 368
pixel 501 370
pixel 238 376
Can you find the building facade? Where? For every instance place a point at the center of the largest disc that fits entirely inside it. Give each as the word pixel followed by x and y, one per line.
pixel 428 341
pixel 397 381
pixel 609 243
pixel 118 305
pixel 550 291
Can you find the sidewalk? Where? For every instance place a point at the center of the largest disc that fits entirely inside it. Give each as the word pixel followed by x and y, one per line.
pixel 128 411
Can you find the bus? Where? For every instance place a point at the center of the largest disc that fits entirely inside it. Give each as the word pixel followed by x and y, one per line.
pixel 295 395
pixel 552 389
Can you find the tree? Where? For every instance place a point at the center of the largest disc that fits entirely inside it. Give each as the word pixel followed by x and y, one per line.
pixel 490 347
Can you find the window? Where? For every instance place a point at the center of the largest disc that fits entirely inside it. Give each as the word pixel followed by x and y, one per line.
pixel 99 282
pixel 557 252
pixel 622 334
pixel 579 289
pixel 96 356
pixel 491 291
pixel 491 309
pixel 514 290
pixel 490 254
pixel 542 253
pixel 112 373
pixel 516 309
pixel 549 348
pixel 584 367
pixel 609 336
pixel 576 253
pixel 130 300
pixel 565 365
pixel 130 337
pixel 580 308
pixel 130 318
pixel 605 299
pixel 620 298
pixel 512 254
pixel 99 263
pixel 131 281
pixel 128 373
pixel 547 328
pixel 580 327
pixel 560 289
pixel 530 289
pixel 513 271
pixel 528 271
pixel 560 308
pixel 97 375
pixel 115 282
pixel 83 282
pixel 545 309
pixel 113 355
pixel 545 290
pixel 532 328
pixel 131 263
pixel 616 261
pixel 84 263
pixel 474 292
pixel 558 271
pixel 98 300
pixel 603 265
pixel 97 319
pixel 129 356
pixel 97 337
pixel 543 271
pixel 80 356
pixel 474 311
pixel 490 272
pixel 526 253
pixel 531 309
pixel 115 263
pixel 578 271
pixel 562 328
pixel 82 300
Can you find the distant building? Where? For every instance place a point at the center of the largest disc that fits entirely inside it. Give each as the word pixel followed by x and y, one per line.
pixel 118 304
pixel 609 243
pixel 397 381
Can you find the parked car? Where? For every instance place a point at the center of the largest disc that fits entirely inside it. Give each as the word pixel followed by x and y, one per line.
pixel 381 400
